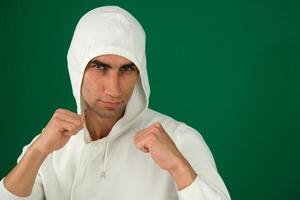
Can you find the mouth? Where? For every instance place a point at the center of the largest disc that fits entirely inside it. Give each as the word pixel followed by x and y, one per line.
pixel 110 104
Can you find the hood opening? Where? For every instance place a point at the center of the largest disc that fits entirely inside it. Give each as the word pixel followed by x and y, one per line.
pixel 110 30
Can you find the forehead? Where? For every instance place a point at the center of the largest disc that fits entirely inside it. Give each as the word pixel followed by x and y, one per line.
pixel 112 59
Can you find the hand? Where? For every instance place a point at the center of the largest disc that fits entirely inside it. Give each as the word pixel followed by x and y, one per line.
pixel 157 142
pixel 58 131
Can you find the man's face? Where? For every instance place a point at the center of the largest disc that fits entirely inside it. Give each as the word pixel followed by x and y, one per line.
pixel 108 83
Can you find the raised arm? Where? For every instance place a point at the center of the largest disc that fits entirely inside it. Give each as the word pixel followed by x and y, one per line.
pixel 56 134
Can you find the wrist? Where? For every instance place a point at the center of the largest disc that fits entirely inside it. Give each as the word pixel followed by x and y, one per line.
pixel 36 152
pixel 40 147
pixel 183 174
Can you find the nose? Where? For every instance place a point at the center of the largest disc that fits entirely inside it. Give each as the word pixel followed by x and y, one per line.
pixel 112 86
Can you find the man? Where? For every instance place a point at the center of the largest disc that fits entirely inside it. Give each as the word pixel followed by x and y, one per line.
pixel 115 147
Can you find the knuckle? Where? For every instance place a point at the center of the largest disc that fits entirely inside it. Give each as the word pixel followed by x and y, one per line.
pixel 81 121
pixel 55 119
pixel 155 132
pixel 78 126
pixel 154 138
pixel 59 110
pixel 73 127
pixel 156 128
pixel 157 125
pixel 152 129
pixel 136 139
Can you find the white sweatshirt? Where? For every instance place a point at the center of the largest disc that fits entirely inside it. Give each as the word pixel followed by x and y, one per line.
pixel 113 168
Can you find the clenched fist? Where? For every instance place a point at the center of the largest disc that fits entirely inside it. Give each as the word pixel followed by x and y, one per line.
pixel 156 141
pixel 58 131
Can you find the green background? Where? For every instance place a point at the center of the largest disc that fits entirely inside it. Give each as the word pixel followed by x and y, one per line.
pixel 228 68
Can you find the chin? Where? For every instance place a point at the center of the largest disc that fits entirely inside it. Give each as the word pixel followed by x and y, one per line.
pixel 110 114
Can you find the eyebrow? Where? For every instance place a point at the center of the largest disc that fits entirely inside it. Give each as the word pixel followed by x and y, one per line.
pixel 131 64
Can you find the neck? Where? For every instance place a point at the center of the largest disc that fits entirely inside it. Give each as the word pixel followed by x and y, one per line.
pixel 97 126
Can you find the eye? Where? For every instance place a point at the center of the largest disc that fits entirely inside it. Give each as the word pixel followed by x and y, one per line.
pixel 128 68
pixel 99 66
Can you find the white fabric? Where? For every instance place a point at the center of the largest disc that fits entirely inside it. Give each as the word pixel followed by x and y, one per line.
pixel 113 168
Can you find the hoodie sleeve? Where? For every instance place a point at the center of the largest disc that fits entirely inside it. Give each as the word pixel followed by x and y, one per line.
pixel 37 192
pixel 208 184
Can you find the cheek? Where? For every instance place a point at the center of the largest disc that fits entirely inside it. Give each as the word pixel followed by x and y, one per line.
pixel 128 85
pixel 85 90
pixel 88 85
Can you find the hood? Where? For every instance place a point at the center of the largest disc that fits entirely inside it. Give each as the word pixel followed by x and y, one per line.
pixel 110 30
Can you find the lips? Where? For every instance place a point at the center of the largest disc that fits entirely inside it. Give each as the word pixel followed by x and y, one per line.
pixel 110 104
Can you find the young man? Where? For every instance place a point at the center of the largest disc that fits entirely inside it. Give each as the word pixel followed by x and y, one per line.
pixel 115 147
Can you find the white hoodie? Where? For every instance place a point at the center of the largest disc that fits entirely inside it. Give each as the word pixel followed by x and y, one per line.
pixel 112 168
